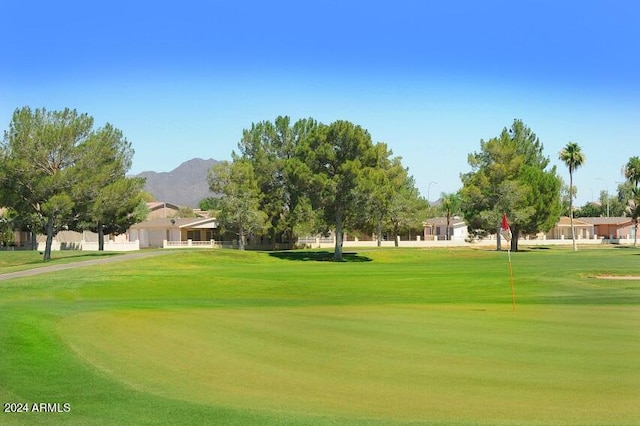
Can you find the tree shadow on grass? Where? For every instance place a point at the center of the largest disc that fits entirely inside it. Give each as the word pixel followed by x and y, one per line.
pixel 633 249
pixel 318 256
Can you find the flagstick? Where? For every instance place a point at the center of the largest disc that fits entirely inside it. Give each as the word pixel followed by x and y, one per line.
pixel 513 293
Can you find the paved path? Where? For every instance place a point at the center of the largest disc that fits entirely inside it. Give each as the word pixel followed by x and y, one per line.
pixel 80 264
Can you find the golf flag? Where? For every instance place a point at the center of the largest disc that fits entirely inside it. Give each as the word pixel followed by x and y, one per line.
pixel 505 231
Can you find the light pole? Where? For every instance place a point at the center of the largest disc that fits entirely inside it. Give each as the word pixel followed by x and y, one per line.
pixel 429 190
pixel 607 193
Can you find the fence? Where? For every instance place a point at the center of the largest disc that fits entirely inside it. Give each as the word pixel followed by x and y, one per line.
pixel 190 244
pixel 91 245
pixel 329 243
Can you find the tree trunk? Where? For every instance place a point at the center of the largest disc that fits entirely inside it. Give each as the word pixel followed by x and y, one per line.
pixel 514 239
pixel 100 237
pixel 291 238
pixel 47 247
pixel 448 225
pixel 379 232
pixel 498 238
pixel 337 252
pixel 241 239
pixel 34 240
pixel 573 232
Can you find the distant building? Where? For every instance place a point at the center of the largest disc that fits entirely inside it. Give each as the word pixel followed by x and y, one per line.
pixel 611 227
pixel 562 230
pixel 436 229
pixel 163 225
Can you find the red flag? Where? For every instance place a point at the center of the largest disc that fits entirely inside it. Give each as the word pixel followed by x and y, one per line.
pixel 505 230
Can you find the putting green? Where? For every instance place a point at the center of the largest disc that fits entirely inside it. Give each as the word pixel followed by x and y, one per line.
pixel 435 363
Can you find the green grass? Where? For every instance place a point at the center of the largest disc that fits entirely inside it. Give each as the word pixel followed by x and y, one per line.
pixel 20 260
pixel 391 336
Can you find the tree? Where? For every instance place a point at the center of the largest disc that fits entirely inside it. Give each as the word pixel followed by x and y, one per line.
pixel 450 206
pixel 58 173
pixel 111 201
pixel 573 158
pixel 336 158
pixel 382 185
pixel 7 227
pixel 590 209
pixel 407 210
pixel 147 197
pixel 209 204
pixel 240 202
pixel 38 155
pixel 116 207
pixel 184 212
pixel 270 148
pixel 506 178
pixel 631 171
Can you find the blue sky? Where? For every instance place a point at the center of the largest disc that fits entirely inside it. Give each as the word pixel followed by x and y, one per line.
pixel 431 79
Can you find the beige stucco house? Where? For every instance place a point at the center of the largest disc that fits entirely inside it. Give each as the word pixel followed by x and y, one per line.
pixel 562 230
pixel 436 229
pixel 154 232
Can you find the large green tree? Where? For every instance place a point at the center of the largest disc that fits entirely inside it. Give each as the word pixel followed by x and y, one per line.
pixel 111 200
pixel 58 173
pixel 270 147
pixel 407 210
pixel 240 201
pixel 382 186
pixel 510 175
pixel 38 155
pixel 117 206
pixel 573 157
pixel 336 157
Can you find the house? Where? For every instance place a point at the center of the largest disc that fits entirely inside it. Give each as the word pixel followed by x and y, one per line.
pixel 612 227
pixel 162 226
pixel 562 230
pixel 159 209
pixel 161 232
pixel 436 229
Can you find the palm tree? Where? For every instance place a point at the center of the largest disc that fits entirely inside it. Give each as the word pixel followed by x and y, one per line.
pixel 573 158
pixel 450 206
pixel 631 171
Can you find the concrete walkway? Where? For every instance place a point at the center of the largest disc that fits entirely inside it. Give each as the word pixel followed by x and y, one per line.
pixel 73 265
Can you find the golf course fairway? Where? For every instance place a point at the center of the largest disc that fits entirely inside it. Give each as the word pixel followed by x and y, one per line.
pixel 388 337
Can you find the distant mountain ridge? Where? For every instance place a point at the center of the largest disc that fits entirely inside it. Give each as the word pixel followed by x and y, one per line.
pixel 184 186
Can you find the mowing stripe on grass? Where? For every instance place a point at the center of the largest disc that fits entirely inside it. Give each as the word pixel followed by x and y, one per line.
pixel 391 363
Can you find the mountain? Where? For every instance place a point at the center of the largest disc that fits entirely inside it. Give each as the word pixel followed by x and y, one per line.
pixel 185 185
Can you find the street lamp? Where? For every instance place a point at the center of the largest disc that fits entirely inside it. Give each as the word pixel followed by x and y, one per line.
pixel 429 189
pixel 606 186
